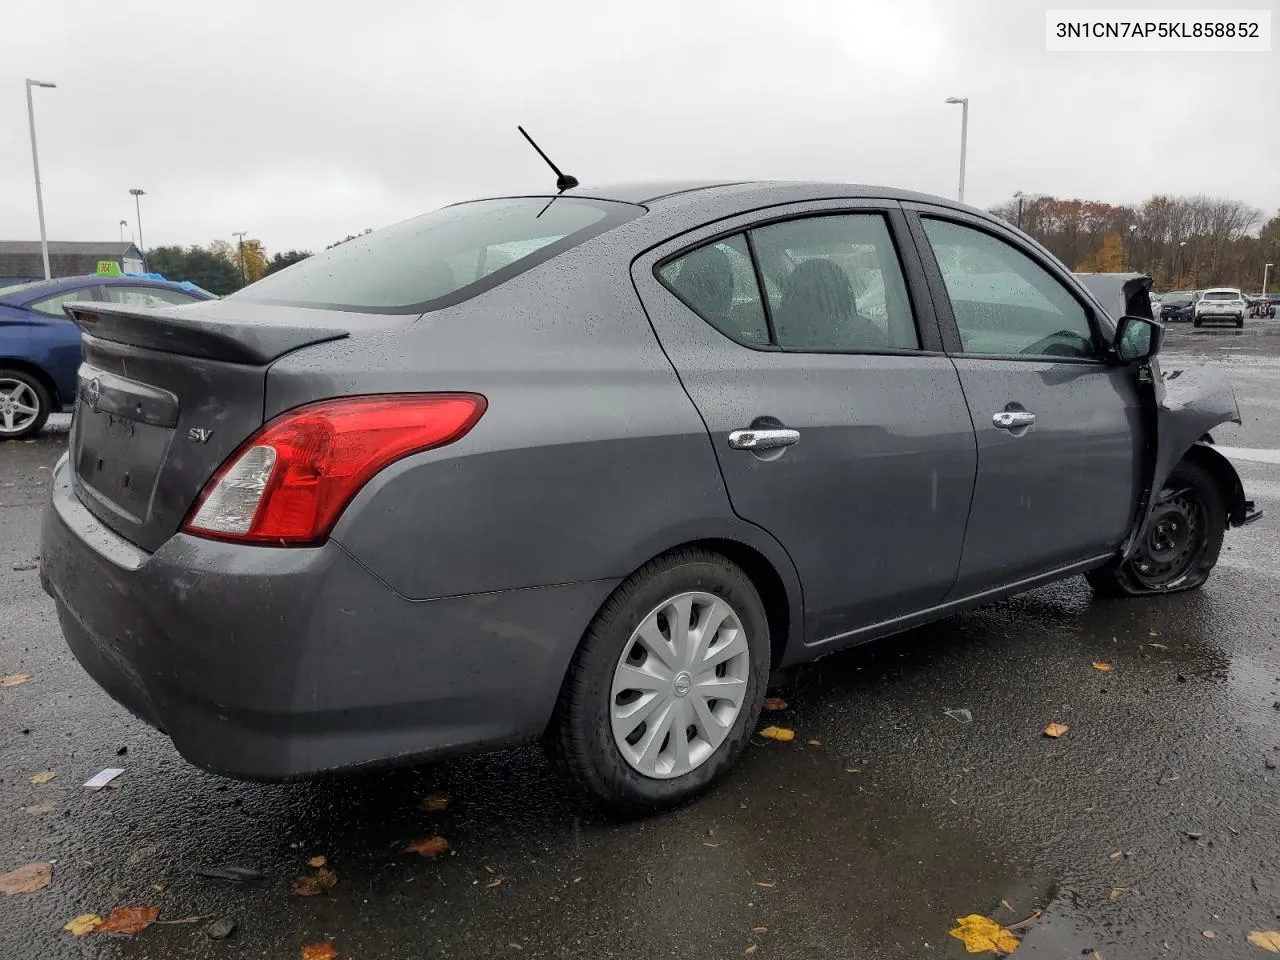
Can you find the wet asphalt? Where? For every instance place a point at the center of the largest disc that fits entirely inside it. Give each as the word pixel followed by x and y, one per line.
pixel 1156 818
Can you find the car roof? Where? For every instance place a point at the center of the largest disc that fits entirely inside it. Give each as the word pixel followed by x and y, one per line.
pixel 38 288
pixel 673 193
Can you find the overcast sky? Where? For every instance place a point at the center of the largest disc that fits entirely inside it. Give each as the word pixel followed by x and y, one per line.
pixel 301 122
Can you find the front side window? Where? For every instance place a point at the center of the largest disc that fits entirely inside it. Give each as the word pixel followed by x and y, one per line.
pixel 718 283
pixel 439 258
pixel 1005 304
pixel 835 283
pixel 53 305
pixel 146 296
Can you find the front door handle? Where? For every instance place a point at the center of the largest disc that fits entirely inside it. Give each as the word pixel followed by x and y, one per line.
pixel 768 438
pixel 1013 419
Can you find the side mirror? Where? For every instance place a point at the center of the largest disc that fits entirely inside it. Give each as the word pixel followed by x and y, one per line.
pixel 1137 339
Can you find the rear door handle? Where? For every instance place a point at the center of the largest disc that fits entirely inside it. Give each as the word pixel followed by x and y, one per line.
pixel 1013 419
pixel 764 439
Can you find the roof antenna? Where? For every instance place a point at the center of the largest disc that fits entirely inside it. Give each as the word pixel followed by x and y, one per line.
pixel 564 181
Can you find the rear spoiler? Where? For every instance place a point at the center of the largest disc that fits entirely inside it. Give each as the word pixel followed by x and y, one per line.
pixel 185 331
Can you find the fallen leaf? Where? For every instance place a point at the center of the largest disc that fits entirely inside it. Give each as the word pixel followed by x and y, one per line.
pixel 751 949
pixel 42 778
pixel 85 923
pixel 1056 730
pixel 775 703
pixel 759 929
pixel 781 734
pixel 1268 940
pixel 220 929
pixel 959 714
pixel 14 679
pixel 1117 855
pixel 317 862
pixel 319 951
pixel 980 934
pixel 130 921
pixel 435 803
pixel 1006 905
pixel 489 869
pixel 814 743
pixel 311 884
pixel 496 882
pixel 36 809
pixel 1209 934
pixel 1114 895
pixel 764 883
pixel 1104 667
pixel 28 879
pixel 429 847
pixel 515 946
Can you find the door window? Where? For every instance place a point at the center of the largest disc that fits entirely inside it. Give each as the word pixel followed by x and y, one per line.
pixel 718 282
pixel 53 305
pixel 146 296
pixel 835 283
pixel 1005 304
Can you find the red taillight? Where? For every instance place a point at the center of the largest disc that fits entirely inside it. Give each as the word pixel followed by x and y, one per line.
pixel 289 482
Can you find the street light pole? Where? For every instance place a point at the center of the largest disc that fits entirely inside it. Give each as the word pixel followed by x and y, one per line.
pixel 1265 271
pixel 244 277
pixel 1020 197
pixel 964 137
pixel 137 207
pixel 35 165
pixel 1133 229
pixel 123 224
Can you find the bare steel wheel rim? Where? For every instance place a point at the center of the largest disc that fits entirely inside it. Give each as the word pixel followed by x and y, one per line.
pixel 19 405
pixel 679 685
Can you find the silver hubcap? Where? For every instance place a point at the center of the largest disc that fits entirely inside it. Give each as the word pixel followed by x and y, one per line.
pixel 679 685
pixel 19 405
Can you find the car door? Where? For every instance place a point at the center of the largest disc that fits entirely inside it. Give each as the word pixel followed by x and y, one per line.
pixel 838 422
pixel 1058 423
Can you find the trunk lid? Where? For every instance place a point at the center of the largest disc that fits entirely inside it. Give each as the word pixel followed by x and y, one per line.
pixel 165 395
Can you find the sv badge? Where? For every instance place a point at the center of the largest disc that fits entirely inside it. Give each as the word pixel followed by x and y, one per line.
pixel 199 434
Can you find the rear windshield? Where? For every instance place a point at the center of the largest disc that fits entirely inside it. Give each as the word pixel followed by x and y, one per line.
pixel 1176 298
pixel 1222 295
pixel 440 258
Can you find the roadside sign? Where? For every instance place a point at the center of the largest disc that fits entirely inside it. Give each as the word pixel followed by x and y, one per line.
pixel 109 268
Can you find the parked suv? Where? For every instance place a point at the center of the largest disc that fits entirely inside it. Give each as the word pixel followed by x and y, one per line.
pixel 588 467
pixel 1220 303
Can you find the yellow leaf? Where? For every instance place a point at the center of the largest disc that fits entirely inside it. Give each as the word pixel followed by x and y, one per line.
pixel 1268 940
pixel 28 879
pixel 775 703
pixel 1104 667
pixel 781 734
pixel 43 778
pixel 319 951
pixel 130 920
pixel 13 679
pixel 1056 730
pixel 430 847
pixel 980 934
pixel 435 803
pixel 751 949
pixel 85 923
pixel 317 862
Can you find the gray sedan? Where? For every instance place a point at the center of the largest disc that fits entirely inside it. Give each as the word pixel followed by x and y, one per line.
pixel 588 467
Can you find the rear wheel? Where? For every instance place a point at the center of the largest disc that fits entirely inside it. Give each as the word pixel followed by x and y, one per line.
pixel 1240 322
pixel 667 685
pixel 1180 543
pixel 24 405
pixel 1195 322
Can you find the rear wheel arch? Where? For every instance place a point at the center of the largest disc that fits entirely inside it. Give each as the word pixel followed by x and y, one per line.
pixel 39 373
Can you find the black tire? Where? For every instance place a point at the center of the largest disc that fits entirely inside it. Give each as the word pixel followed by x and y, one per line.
pixel 1240 323
pixel 43 404
pixel 1190 505
pixel 580 737
pixel 1195 322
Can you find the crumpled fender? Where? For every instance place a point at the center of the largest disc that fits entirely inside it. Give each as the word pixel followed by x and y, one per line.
pixel 1183 406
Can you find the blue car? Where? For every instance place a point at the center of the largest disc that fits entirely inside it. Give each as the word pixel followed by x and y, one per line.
pixel 40 346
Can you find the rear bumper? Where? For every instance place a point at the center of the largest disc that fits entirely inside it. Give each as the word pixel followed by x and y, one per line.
pixel 265 663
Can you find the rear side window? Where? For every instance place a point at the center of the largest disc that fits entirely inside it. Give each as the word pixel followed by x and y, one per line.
pixel 719 284
pixel 835 283
pixel 53 305
pixel 440 258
